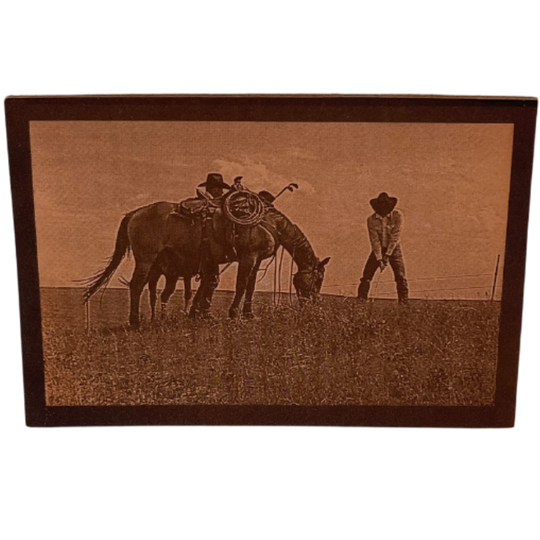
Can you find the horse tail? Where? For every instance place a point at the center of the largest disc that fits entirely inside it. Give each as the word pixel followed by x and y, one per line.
pixel 122 248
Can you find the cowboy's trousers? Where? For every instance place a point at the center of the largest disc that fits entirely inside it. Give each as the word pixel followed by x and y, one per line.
pixel 209 272
pixel 398 267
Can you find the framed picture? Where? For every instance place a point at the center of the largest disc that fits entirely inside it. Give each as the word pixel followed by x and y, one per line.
pixel 271 260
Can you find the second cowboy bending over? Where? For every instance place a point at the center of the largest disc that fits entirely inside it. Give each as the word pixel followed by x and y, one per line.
pixel 384 227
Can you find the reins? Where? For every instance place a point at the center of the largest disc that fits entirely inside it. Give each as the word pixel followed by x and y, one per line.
pixel 198 275
pixel 277 276
pixel 291 279
pixel 265 269
pixel 312 272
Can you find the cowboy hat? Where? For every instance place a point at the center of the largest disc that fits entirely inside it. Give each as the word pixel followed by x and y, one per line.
pixel 214 180
pixel 383 203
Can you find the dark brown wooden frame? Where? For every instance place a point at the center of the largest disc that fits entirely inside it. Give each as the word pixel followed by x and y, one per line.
pixel 521 112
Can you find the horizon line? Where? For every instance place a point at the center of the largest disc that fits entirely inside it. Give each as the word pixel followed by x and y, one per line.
pixel 286 293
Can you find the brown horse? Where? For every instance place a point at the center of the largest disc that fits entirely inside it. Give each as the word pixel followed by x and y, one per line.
pixel 150 230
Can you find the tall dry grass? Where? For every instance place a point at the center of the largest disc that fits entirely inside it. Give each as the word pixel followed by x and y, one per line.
pixel 333 353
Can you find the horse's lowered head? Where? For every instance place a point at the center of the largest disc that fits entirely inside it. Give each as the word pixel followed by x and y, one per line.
pixel 308 282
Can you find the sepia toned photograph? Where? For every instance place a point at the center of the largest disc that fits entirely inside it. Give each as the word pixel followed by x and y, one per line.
pixel 271 263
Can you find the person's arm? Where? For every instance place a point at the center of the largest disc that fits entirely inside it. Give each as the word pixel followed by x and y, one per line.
pixel 395 235
pixel 374 238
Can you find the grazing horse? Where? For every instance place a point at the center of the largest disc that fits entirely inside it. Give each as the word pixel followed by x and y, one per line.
pixel 150 230
pixel 167 264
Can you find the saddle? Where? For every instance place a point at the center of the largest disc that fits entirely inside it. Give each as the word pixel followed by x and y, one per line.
pixel 207 211
pixel 238 207
pixel 197 207
pixel 242 207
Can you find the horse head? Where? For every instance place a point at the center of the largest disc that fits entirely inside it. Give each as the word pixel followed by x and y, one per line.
pixel 308 282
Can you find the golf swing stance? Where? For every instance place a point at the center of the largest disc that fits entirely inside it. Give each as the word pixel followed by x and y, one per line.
pixel 384 227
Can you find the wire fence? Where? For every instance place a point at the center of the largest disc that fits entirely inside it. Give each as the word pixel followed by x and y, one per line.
pixel 428 286
pixel 491 287
pixel 113 310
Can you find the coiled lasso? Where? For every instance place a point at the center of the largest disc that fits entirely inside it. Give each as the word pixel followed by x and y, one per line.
pixel 243 207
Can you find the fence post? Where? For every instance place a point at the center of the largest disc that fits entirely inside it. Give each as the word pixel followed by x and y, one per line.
pixel 495 278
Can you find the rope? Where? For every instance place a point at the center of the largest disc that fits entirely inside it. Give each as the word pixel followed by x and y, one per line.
pixel 265 269
pixel 243 208
pixel 290 279
pixel 279 276
pixel 226 266
pixel 275 278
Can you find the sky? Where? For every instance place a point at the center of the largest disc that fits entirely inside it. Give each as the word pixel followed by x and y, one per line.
pixel 451 181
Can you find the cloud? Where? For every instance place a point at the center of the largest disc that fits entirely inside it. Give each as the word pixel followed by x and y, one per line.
pixel 301 153
pixel 257 176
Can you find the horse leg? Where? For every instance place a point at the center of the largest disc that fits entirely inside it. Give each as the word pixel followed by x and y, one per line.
pixel 203 297
pixel 153 279
pixel 187 294
pixel 136 286
pixel 170 286
pixel 196 301
pixel 247 310
pixel 245 268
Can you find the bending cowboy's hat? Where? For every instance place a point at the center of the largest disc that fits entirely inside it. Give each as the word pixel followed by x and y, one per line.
pixel 383 202
pixel 266 197
pixel 214 180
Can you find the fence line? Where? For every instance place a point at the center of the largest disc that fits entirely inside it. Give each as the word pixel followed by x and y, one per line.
pixel 448 277
pixel 491 288
pixel 487 287
pixel 440 278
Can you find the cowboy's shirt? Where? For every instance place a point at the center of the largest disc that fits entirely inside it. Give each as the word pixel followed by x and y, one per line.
pixel 384 232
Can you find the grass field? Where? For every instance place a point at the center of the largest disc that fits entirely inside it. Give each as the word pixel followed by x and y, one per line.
pixel 337 352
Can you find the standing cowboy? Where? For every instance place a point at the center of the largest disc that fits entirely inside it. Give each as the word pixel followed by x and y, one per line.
pixel 209 267
pixel 384 227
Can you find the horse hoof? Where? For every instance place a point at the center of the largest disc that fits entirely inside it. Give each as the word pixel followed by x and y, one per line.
pixel 201 316
pixel 248 315
pixel 233 313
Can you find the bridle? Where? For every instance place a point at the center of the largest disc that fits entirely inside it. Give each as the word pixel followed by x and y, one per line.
pixel 313 272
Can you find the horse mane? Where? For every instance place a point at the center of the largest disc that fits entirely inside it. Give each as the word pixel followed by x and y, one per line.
pixel 291 237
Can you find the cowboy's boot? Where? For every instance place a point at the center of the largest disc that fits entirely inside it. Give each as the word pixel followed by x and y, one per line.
pixel 363 290
pixel 247 311
pixel 403 292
